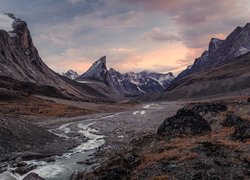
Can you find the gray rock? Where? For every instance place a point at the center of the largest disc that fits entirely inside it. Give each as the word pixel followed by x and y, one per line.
pixel 49 159
pixel 25 169
pixel 18 160
pixel 185 122
pixel 76 176
pixel 3 167
pixel 19 164
pixel 33 176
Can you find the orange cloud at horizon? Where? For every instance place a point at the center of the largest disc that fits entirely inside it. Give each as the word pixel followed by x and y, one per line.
pixel 162 60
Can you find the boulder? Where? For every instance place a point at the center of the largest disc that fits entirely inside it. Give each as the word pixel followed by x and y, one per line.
pixel 242 131
pixel 3 167
pixel 87 162
pixel 25 169
pixel 185 122
pixel 130 160
pixel 208 107
pixel 232 120
pixel 19 164
pixel 242 127
pixel 19 159
pixel 76 176
pixel 33 176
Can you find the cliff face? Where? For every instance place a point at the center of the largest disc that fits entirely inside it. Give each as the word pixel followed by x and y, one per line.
pixel 20 60
pixel 223 68
pixel 220 52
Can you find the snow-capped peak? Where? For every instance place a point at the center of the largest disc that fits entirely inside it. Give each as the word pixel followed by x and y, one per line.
pixel 71 74
pixel 6 22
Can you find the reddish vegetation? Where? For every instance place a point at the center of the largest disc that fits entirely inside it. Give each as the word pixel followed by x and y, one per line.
pixel 214 155
pixel 20 104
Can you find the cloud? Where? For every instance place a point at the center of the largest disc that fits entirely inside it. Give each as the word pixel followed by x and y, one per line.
pixel 134 34
pixel 158 35
pixel 74 1
pixel 199 20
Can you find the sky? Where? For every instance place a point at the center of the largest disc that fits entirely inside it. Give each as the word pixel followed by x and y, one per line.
pixel 135 35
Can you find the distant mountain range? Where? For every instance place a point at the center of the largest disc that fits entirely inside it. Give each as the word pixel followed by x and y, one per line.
pixel 128 84
pixel 71 74
pixel 224 67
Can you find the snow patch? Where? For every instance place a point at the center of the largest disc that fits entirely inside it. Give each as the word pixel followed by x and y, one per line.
pixel 85 82
pixel 241 51
pixel 6 22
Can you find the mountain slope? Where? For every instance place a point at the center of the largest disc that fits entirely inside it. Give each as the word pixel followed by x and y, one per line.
pixel 223 68
pixel 20 61
pixel 221 52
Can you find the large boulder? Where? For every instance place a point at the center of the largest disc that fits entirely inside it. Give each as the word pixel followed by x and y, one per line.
pixel 206 107
pixel 185 122
pixel 33 176
pixel 242 131
pixel 242 127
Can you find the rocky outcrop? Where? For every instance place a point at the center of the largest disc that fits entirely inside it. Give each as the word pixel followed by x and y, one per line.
pixel 33 176
pixel 242 127
pixel 205 107
pixel 71 74
pixel 98 72
pixel 185 122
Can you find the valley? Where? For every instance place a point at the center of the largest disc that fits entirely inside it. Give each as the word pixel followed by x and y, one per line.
pixel 125 144
pixel 103 124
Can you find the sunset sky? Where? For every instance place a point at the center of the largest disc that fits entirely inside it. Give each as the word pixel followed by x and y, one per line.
pixel 135 35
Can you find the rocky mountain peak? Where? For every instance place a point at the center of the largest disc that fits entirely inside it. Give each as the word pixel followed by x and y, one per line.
pixel 214 44
pixel 221 52
pixel 98 71
pixel 102 60
pixel 71 74
pixel 17 30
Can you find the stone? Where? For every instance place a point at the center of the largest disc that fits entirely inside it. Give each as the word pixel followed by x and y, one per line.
pixel 49 159
pixel 232 120
pixel 208 107
pixel 242 131
pixel 19 164
pixel 3 167
pixel 76 176
pixel 19 159
pixel 33 176
pixel 130 160
pixel 185 122
pixel 25 169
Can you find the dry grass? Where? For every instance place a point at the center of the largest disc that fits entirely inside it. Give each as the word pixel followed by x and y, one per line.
pixel 32 106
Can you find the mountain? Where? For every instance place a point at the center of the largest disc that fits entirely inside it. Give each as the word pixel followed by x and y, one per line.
pixel 21 64
pixel 221 52
pixel 128 84
pixel 142 82
pixel 223 68
pixel 71 74
pixel 98 72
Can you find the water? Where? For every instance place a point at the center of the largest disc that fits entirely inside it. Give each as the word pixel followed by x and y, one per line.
pixel 66 164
